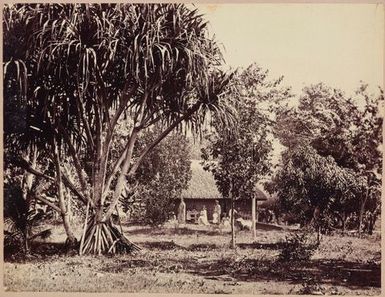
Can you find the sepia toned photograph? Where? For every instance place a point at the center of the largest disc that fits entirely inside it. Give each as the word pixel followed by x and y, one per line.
pixel 193 148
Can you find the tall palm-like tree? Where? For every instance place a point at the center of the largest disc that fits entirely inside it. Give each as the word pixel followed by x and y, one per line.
pixel 80 69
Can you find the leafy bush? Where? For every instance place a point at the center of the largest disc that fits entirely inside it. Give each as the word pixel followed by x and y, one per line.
pixel 15 213
pixel 158 206
pixel 19 220
pixel 159 181
pixel 298 247
pixel 311 287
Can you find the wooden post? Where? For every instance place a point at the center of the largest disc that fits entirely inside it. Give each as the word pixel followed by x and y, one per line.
pixel 253 217
pixel 256 213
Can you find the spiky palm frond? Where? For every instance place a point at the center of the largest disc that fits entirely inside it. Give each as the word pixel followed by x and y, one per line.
pixel 85 57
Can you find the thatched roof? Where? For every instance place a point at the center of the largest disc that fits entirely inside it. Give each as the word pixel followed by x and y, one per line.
pixel 202 185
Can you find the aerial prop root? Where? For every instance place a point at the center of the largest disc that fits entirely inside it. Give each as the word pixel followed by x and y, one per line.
pixel 105 238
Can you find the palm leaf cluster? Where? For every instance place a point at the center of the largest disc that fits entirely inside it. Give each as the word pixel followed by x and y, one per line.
pixel 86 58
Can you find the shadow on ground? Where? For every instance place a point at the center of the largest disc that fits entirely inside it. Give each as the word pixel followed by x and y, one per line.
pixel 39 250
pixel 178 231
pixel 261 246
pixel 350 274
pixel 354 275
pixel 201 230
pixel 171 245
pixel 161 245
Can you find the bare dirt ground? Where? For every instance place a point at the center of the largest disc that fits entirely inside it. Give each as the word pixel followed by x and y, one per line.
pixel 199 260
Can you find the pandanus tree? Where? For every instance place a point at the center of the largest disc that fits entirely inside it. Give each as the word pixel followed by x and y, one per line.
pixel 82 68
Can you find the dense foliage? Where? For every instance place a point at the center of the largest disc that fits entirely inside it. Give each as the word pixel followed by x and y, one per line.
pixel 241 156
pixel 331 168
pixel 162 176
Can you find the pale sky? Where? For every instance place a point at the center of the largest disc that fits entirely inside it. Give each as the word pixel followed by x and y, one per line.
pixel 338 44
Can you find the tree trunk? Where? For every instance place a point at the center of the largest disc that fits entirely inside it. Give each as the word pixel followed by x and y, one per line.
pixel 28 177
pixel 315 223
pixel 371 223
pixel 315 219
pixel 232 244
pixel 344 222
pixel 362 208
pixel 26 188
pixel 122 177
pixel 26 240
pixel 69 206
pixel 71 239
pixel 100 235
pixel 361 215
pixel 253 218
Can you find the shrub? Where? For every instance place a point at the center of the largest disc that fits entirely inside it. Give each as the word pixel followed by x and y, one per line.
pixel 311 286
pixel 298 247
pixel 19 220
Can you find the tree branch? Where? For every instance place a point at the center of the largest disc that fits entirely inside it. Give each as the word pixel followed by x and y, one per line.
pixel 121 178
pixel 147 122
pixel 68 183
pixel 97 184
pixel 72 151
pixel 125 167
pixel 115 168
pixel 81 113
pixel 127 160
pixel 26 166
pixel 49 203
pixel 102 86
pixel 123 105
pixel 162 136
pixel 107 142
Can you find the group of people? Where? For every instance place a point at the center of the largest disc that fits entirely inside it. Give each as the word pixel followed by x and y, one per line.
pixel 202 219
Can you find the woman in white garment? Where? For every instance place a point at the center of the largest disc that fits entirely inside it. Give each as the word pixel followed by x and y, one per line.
pixel 203 217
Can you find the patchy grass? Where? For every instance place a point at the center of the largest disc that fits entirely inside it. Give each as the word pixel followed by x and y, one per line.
pixel 199 260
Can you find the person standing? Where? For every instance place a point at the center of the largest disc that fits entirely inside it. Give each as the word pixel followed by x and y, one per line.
pixel 182 212
pixel 217 213
pixel 203 217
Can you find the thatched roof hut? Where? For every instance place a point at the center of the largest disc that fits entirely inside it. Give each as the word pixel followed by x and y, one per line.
pixel 203 191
